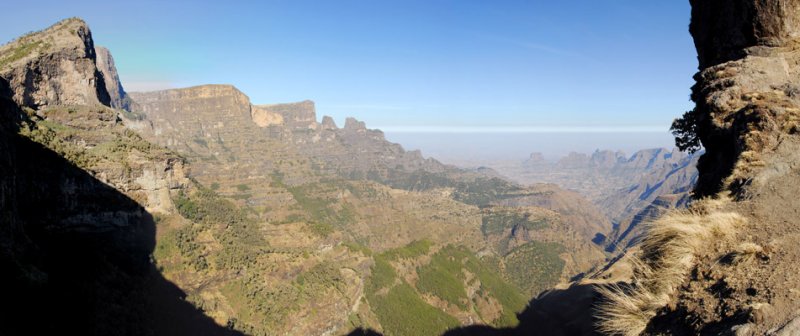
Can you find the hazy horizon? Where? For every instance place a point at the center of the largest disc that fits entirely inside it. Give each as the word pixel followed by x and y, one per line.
pixel 470 149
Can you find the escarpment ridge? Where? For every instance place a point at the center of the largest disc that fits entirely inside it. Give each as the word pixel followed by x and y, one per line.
pixel 193 211
pixel 739 281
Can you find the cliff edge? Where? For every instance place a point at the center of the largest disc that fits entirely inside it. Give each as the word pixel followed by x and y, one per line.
pixel 726 266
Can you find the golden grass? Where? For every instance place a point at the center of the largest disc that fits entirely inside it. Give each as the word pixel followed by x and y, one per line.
pixel 746 252
pixel 666 256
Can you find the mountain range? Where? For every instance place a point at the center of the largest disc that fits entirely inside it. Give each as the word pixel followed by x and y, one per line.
pixel 195 211
pixel 199 212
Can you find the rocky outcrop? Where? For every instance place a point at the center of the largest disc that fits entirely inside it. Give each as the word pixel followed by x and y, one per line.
pixel 657 181
pixel 747 87
pixel 263 117
pixel 105 63
pixel 328 123
pixel 612 180
pixel 300 115
pixel 54 67
pixel 76 238
pixel 746 117
pixel 725 31
pixel 218 121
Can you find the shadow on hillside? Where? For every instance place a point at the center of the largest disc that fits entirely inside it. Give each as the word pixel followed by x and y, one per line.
pixel 559 312
pixel 75 253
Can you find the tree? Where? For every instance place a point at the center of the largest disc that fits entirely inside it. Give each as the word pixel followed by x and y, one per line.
pixel 685 131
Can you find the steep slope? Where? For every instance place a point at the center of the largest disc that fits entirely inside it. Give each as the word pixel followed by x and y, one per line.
pixel 600 174
pixel 238 146
pixel 346 199
pixel 629 190
pixel 658 190
pixel 118 98
pixel 726 265
pixel 676 174
pixel 249 217
pixel 54 67
pixel 75 233
pixel 746 116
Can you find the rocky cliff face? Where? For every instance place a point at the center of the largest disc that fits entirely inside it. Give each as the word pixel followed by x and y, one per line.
pixel 746 118
pixel 603 173
pixel 105 63
pixel 629 190
pixel 54 67
pixel 746 90
pixel 284 219
pixel 301 115
pixel 219 122
pixel 725 265
pixel 664 184
pixel 316 188
pixel 76 234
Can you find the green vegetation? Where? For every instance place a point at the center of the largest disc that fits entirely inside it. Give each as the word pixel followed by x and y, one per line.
pixel 483 191
pixel 260 307
pixel 242 187
pixel 478 191
pixel 412 250
pixel 166 248
pixel 382 276
pixel 52 135
pixel 22 51
pixel 239 236
pixel 110 145
pixel 535 266
pixel 497 222
pixel 685 131
pixel 359 248
pixel 136 116
pixel 319 277
pixel 322 229
pixel 402 312
pixel 444 277
pixel 400 309
pixel 194 253
pixel 322 213
pixel 492 283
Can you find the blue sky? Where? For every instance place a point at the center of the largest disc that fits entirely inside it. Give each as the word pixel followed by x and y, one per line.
pixel 420 65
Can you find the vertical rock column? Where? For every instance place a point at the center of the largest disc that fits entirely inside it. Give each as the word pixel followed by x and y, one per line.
pixel 747 91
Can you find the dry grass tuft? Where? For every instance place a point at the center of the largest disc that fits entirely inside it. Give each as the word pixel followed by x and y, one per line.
pixel 667 254
pixel 746 252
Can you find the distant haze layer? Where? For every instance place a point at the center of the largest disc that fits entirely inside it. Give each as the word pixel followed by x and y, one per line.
pixel 475 148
